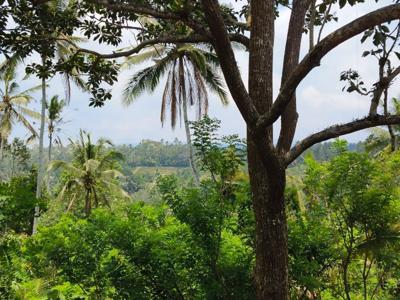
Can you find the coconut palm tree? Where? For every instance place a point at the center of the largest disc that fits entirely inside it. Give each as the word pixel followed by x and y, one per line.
pixel 191 72
pixel 92 174
pixel 54 110
pixel 14 104
pixel 64 45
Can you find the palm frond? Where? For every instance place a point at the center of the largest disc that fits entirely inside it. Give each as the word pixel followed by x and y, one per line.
pixel 68 167
pixel 165 98
pixel 151 52
pixel 109 157
pixel 6 123
pixel 31 90
pixel 173 97
pixel 30 139
pixel 202 94
pixel 54 108
pixel 9 65
pixel 216 84
pixel 197 58
pixel 145 80
pixel 182 84
pixel 25 122
pixel 111 174
pixel 92 165
pixel 20 100
pixel 28 112
pixel 115 189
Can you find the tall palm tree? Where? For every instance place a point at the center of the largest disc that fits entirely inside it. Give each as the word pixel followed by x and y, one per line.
pixel 64 45
pixel 14 104
pixel 191 72
pixel 54 110
pixel 92 174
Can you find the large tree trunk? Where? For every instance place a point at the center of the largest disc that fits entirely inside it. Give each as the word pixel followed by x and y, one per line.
pixel 266 171
pixel 267 186
pixel 40 171
pixel 189 141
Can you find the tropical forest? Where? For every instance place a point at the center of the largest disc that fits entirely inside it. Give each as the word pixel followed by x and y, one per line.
pixel 199 149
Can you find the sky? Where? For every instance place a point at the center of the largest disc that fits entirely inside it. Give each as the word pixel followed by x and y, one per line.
pixel 321 102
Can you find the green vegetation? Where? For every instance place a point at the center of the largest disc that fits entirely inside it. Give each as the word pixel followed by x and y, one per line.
pixel 255 219
pixel 173 240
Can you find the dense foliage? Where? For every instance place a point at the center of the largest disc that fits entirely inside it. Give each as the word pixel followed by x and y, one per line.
pixel 189 242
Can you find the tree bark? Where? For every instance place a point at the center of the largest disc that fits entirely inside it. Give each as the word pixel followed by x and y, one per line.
pixel 88 204
pixel 189 141
pixel 290 61
pixel 50 144
pixel 266 171
pixel 345 275
pixel 40 171
pixel 267 186
pixel 2 141
pixel 393 138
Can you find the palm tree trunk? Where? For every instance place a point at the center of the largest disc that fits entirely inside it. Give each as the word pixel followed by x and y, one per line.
pixel 1 148
pixel 189 142
pixel 40 172
pixel 88 206
pixel 50 144
pixel 12 162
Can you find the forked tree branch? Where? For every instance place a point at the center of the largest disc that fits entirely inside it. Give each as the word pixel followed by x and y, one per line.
pixel 313 58
pixel 230 69
pixel 380 87
pixel 339 130
pixel 290 61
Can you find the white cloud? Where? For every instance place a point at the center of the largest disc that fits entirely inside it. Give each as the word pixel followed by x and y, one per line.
pixel 313 98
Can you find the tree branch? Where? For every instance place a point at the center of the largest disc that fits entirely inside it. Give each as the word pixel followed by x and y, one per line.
pixel 313 58
pixel 223 48
pixel 183 16
pixel 137 9
pixel 339 130
pixel 380 87
pixel 290 61
pixel 194 38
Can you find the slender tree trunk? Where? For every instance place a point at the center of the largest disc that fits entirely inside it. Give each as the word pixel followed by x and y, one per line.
pixel 346 283
pixel 267 186
pixel 1 148
pixel 48 183
pixel 40 171
pixel 393 138
pixel 50 145
pixel 189 142
pixel 12 165
pixel 88 206
pixel 365 277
